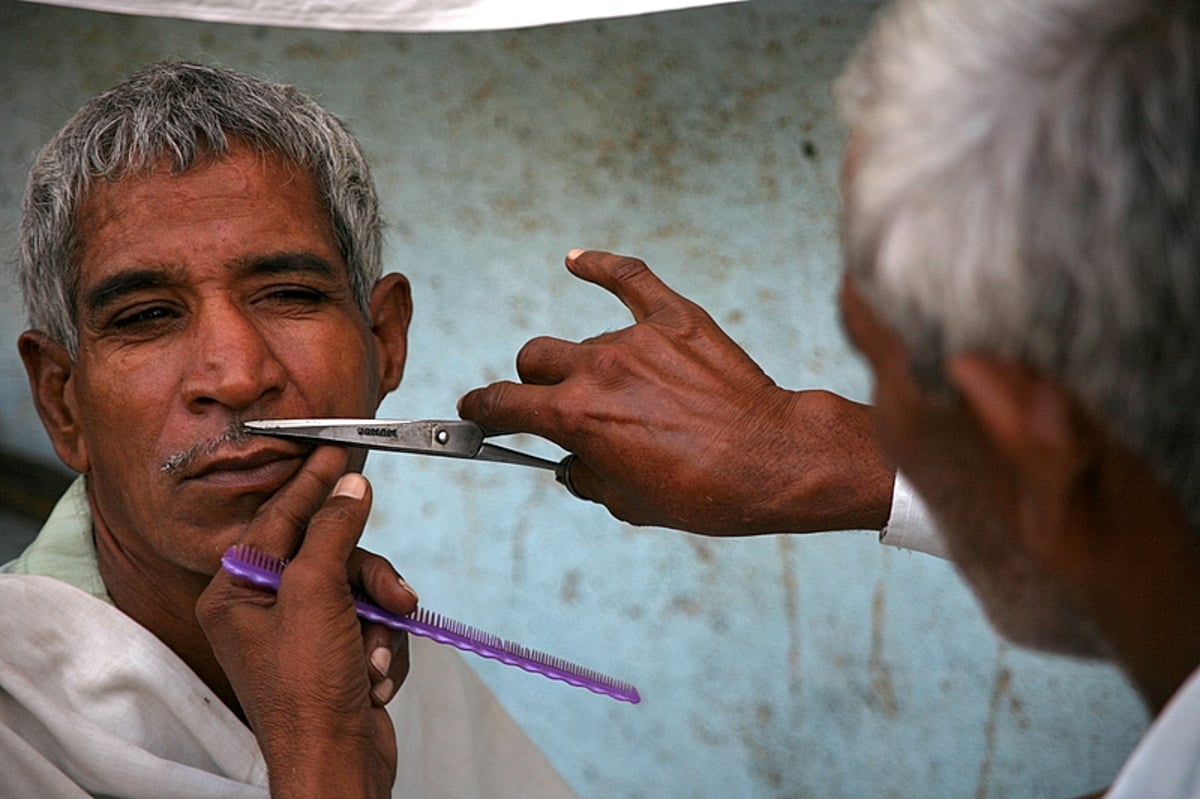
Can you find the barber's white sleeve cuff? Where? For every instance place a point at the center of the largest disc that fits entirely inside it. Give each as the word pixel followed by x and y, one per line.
pixel 910 526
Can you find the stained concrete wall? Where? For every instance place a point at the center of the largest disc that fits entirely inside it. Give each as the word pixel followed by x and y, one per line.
pixel 704 141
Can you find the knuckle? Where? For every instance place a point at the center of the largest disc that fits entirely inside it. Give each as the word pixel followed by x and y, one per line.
pixel 492 399
pixel 302 578
pixel 627 269
pixel 535 353
pixel 689 320
pixel 336 515
pixel 207 610
pixel 609 361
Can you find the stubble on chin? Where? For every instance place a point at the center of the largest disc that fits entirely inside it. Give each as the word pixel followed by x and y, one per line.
pixel 1021 600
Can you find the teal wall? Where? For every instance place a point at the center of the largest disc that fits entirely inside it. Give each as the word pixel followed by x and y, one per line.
pixel 705 142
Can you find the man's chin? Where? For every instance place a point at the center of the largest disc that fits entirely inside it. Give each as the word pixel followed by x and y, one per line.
pixel 1023 603
pixel 1036 616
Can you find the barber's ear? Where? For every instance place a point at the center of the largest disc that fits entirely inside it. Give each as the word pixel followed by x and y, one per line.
pixel 51 370
pixel 391 311
pixel 1051 444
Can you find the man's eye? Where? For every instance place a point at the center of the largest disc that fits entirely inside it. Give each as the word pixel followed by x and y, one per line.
pixel 143 317
pixel 294 295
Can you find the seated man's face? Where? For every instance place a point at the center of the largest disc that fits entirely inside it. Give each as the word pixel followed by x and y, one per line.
pixel 205 299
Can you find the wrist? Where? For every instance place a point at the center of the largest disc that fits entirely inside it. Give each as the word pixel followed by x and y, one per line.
pixel 333 772
pixel 837 478
pixel 311 767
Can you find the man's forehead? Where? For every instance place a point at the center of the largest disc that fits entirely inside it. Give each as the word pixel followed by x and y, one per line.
pixel 244 204
pixel 242 167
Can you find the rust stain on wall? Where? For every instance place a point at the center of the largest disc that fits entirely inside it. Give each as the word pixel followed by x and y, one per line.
pixel 882 688
pixel 569 591
pixel 791 613
pixel 1000 689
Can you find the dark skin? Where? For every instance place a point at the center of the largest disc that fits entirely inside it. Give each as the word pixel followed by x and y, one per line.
pixel 338 739
pixel 1082 504
pixel 207 298
pixel 674 425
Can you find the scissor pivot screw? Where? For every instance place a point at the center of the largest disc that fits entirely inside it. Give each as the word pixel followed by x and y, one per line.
pixel 442 437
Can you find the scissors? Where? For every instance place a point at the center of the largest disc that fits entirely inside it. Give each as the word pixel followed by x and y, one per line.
pixel 448 438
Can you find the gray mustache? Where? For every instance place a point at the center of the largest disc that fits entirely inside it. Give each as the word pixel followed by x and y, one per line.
pixel 234 434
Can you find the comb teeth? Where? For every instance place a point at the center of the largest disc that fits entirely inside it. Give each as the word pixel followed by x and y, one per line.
pixel 265 570
pixel 254 565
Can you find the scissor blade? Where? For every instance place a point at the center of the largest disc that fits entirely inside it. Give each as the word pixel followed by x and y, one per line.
pixel 450 438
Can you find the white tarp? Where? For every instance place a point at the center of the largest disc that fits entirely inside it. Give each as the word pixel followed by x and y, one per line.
pixel 388 15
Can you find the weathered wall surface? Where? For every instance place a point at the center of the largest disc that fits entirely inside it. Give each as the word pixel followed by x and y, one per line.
pixel 705 142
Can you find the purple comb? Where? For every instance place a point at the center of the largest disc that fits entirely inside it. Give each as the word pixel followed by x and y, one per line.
pixel 264 570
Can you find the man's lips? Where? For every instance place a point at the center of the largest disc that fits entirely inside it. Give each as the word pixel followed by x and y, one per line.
pixel 260 467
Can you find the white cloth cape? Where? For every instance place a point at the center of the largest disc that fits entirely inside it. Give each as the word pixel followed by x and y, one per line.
pixel 92 704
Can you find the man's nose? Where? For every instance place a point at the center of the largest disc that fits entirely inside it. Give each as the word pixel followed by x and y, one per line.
pixel 232 362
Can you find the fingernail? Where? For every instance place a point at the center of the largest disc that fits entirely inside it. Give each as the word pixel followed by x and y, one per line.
pixel 381 659
pixel 383 691
pixel 574 253
pixel 351 485
pixel 404 585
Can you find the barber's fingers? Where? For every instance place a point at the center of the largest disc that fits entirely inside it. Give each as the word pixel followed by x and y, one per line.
pixel 506 405
pixel 545 361
pixel 629 279
pixel 581 480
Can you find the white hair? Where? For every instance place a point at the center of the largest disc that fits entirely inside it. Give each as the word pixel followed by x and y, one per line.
pixel 185 113
pixel 1023 180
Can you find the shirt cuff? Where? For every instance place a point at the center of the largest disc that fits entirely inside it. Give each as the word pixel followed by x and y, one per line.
pixel 910 526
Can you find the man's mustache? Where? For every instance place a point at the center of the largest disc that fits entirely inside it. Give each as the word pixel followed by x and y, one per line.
pixel 234 434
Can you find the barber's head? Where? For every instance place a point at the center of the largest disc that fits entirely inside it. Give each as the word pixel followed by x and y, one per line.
pixel 1022 240
pixel 200 247
pixel 174 116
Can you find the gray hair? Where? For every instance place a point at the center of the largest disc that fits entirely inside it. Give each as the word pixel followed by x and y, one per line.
pixel 1023 180
pixel 184 113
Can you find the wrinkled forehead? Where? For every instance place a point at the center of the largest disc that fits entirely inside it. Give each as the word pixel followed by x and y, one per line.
pixel 236 209
pixel 141 168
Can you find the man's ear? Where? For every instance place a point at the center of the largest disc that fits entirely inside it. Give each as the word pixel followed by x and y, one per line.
pixel 1045 436
pixel 50 370
pixel 391 311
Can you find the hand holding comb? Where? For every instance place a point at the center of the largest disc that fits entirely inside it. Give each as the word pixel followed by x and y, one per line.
pixel 265 571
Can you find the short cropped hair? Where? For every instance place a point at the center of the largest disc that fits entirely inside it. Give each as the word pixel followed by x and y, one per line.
pixel 1023 180
pixel 184 114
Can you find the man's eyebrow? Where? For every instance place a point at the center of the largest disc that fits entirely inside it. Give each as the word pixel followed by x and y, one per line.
pixel 282 263
pixel 112 288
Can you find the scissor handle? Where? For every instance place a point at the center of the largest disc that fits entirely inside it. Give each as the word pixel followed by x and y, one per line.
pixel 497 454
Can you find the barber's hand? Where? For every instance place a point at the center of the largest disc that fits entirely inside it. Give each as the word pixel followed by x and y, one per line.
pixel 673 424
pixel 311 679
